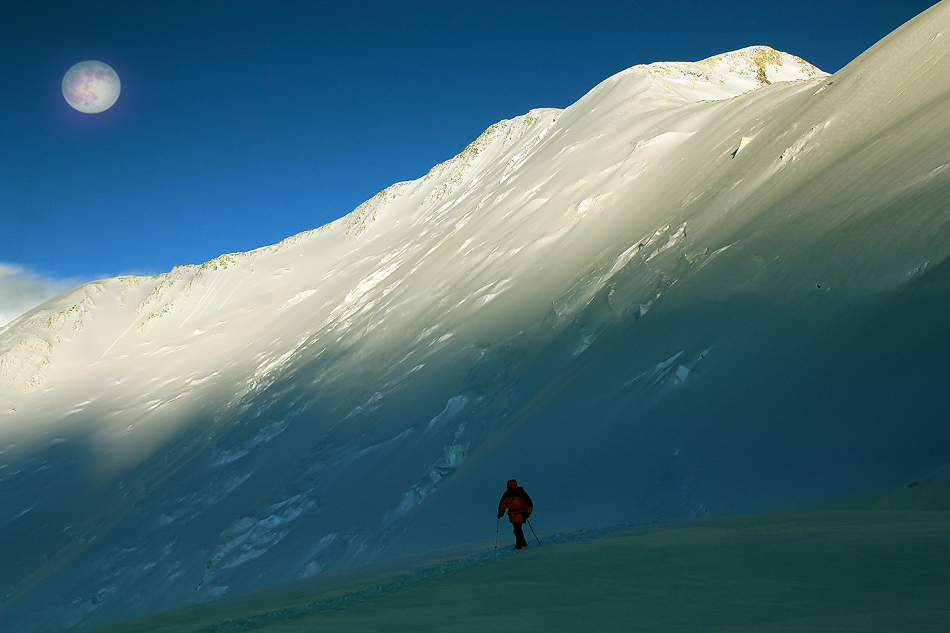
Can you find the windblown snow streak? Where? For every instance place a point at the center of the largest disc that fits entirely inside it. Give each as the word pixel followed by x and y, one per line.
pixel 711 287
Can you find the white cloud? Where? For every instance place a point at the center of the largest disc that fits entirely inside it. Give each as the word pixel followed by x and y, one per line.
pixel 22 290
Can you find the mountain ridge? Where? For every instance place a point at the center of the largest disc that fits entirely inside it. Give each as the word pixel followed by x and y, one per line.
pixel 739 64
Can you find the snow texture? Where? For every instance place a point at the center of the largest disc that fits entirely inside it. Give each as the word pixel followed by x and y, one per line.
pixel 868 565
pixel 718 286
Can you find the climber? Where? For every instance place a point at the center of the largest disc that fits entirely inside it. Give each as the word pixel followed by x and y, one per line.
pixel 518 504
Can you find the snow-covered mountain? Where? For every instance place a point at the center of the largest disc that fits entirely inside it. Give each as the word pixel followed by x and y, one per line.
pixel 718 287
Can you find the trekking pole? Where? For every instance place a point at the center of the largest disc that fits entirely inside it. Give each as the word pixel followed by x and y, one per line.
pixel 497 524
pixel 532 530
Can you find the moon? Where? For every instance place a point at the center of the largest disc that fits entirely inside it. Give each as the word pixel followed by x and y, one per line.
pixel 91 87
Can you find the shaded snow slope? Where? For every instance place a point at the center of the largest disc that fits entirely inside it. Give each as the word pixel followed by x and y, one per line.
pixel 871 567
pixel 701 288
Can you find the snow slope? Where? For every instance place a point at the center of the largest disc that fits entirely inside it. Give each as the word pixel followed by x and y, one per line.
pixel 711 287
pixel 872 566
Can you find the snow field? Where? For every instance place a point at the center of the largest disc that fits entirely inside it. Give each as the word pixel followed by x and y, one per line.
pixel 872 566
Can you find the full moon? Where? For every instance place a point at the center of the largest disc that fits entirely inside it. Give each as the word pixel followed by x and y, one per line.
pixel 91 87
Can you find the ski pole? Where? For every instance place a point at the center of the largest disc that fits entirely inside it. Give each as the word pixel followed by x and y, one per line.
pixel 532 530
pixel 497 524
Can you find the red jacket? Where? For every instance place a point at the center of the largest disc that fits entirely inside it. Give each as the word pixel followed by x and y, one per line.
pixel 517 503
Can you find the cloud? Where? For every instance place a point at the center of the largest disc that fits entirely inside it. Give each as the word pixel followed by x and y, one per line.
pixel 22 290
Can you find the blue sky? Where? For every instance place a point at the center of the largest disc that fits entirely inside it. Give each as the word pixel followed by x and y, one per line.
pixel 242 123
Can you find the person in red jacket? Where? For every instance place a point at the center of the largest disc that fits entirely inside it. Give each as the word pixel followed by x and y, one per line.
pixel 518 504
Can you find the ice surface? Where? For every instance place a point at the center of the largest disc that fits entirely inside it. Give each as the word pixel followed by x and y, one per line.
pixel 610 300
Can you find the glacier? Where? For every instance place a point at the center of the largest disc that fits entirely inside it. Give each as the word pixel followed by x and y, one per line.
pixel 712 287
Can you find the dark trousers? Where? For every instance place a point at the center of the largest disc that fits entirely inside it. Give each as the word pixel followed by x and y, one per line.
pixel 519 535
